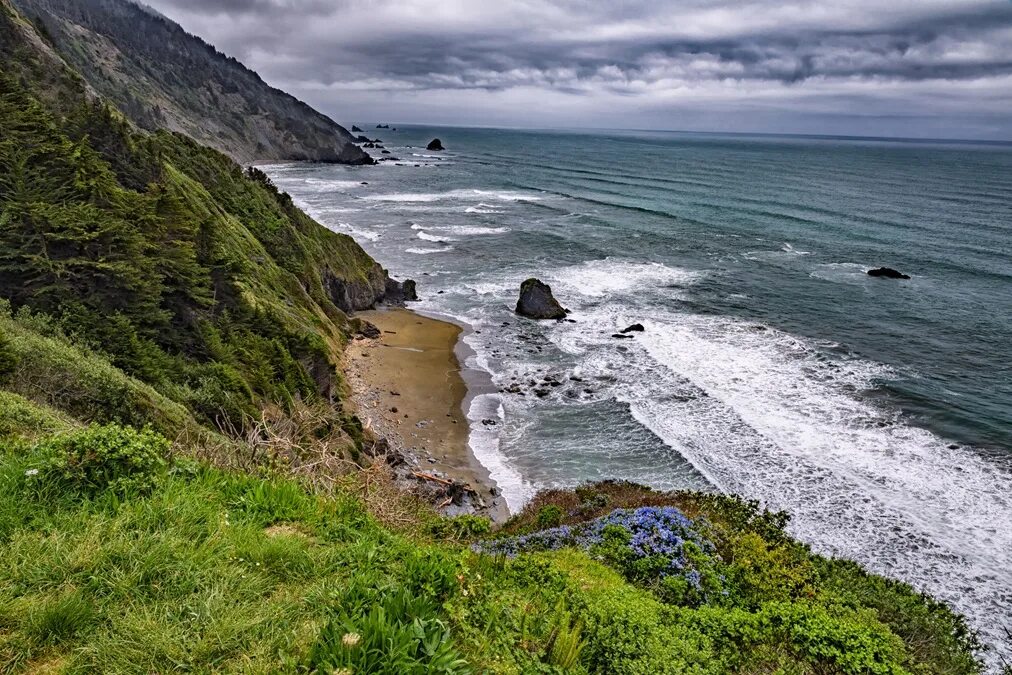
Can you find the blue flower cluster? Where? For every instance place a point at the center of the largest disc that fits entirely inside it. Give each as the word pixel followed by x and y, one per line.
pixel 649 531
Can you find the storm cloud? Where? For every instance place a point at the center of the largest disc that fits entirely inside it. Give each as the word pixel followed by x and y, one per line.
pixel 867 67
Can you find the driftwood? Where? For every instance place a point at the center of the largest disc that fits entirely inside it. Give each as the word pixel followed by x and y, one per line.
pixel 428 476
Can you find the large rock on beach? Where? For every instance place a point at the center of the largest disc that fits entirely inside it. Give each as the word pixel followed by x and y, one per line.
pixel 887 273
pixel 435 144
pixel 537 302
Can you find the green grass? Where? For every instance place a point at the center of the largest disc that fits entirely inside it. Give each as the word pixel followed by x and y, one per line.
pixel 208 570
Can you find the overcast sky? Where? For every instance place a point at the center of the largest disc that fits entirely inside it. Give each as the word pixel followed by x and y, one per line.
pixel 933 68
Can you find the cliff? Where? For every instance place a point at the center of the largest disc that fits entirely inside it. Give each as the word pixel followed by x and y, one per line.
pixel 161 77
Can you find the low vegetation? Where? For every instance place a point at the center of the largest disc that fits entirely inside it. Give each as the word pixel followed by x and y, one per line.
pixel 119 556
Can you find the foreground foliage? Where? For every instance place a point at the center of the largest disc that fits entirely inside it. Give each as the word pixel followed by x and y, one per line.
pixel 131 564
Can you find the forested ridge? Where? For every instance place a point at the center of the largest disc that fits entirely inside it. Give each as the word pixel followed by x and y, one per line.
pixel 162 77
pixel 184 486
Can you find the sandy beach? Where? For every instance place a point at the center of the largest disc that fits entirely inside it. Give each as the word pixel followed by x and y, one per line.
pixel 409 389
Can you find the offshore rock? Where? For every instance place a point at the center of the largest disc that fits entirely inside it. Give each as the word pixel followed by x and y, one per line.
pixel 356 129
pixel 537 302
pixel 887 273
pixel 435 144
pixel 635 328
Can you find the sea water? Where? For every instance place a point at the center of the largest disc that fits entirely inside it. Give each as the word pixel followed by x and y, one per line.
pixel 877 412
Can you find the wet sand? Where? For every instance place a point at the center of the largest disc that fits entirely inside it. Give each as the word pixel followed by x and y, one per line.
pixel 409 388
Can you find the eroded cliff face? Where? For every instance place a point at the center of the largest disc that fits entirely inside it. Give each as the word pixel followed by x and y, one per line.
pixel 359 294
pixel 161 77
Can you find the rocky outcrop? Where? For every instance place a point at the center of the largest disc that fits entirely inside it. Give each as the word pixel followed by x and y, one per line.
pixel 365 293
pixel 537 302
pixel 399 292
pixel 887 273
pixel 355 129
pixel 435 144
pixel 635 328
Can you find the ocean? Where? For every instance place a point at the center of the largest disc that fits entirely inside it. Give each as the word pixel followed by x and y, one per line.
pixel 878 413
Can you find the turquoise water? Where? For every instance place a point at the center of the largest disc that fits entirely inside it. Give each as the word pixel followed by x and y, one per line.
pixel 879 413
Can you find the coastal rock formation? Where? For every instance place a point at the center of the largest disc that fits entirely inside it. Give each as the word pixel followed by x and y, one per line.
pixel 382 126
pixel 887 273
pixel 635 328
pixel 355 129
pixel 399 292
pixel 537 302
pixel 435 144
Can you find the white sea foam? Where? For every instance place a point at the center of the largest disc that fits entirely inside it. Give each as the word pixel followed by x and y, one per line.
pixel 422 234
pixel 427 251
pixel 613 276
pixel 483 208
pixel 505 196
pixel 484 443
pixel 788 248
pixel 359 232
pixel 770 416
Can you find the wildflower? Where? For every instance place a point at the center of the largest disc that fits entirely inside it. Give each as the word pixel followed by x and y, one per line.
pixel 32 472
pixel 351 640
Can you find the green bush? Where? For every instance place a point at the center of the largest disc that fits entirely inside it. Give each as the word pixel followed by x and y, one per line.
pixel 99 458
pixel 550 516
pixel 460 528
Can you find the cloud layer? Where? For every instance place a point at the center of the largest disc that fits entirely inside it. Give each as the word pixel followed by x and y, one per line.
pixel 925 68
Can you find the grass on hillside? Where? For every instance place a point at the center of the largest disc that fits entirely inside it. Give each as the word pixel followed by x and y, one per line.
pixel 114 558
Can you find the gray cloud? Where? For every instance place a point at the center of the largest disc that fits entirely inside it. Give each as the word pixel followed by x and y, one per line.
pixel 846 66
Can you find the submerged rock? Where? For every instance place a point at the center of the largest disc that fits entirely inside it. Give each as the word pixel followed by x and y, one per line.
pixel 887 273
pixel 435 144
pixel 537 302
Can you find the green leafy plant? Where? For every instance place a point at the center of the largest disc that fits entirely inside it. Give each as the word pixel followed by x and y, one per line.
pixel 110 457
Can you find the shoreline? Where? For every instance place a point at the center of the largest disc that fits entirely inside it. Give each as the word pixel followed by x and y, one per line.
pixel 412 387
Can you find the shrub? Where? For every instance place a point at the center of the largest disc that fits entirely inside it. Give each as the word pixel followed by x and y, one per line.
pixel 550 516
pixel 109 457
pixel 655 546
pixel 460 528
pixel 8 357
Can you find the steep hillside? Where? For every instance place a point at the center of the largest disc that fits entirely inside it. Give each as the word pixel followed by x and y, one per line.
pixel 177 267
pixel 164 78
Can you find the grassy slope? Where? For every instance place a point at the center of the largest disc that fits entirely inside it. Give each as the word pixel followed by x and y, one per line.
pixel 233 573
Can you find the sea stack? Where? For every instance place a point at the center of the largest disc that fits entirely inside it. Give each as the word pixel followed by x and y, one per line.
pixel 356 129
pixel 435 144
pixel 887 273
pixel 537 302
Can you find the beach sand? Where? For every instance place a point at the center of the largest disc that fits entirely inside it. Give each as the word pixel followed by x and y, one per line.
pixel 409 389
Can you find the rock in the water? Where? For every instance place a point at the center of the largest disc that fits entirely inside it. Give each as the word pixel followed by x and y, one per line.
pixel 434 144
pixel 621 335
pixel 355 129
pixel 537 302
pixel 382 126
pixel 887 273
pixel 362 139
pixel 635 328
